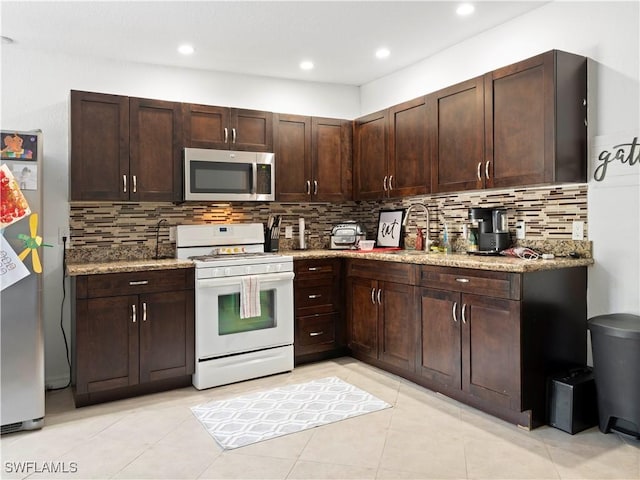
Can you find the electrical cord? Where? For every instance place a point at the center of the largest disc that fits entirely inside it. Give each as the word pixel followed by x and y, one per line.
pixel 64 296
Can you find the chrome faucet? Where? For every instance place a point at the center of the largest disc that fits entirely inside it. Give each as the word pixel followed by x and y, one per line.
pixel 405 222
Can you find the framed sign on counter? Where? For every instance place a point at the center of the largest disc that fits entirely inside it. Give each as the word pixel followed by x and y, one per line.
pixel 390 228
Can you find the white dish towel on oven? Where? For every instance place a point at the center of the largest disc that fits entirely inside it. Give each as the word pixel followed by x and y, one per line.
pixel 249 296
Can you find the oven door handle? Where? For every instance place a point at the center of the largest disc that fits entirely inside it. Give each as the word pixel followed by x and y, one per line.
pixel 264 278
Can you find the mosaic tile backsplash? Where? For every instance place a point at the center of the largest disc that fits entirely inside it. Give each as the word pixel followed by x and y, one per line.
pixel 120 231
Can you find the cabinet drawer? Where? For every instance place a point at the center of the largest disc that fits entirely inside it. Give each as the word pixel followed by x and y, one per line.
pixel 316 330
pixel 306 269
pixel 385 271
pixel 315 299
pixel 488 283
pixel 132 283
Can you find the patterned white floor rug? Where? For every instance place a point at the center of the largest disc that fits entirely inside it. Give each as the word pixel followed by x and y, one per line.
pixel 251 418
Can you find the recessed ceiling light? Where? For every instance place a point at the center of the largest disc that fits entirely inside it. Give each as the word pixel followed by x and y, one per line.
pixel 6 40
pixel 306 65
pixel 185 49
pixel 383 53
pixel 465 9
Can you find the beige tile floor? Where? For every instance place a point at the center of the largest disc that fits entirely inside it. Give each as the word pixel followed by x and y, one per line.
pixel 424 436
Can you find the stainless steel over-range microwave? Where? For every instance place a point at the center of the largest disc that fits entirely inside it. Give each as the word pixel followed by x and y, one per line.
pixel 226 175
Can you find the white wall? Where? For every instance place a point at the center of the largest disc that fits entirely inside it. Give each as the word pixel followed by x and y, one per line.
pixel 608 34
pixel 35 94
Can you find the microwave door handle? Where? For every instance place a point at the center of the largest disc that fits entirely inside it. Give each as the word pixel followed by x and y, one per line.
pixel 254 178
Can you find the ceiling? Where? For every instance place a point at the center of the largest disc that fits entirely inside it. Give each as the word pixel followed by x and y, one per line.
pixel 257 38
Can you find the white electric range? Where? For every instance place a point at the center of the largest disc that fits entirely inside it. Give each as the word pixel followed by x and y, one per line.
pixel 228 258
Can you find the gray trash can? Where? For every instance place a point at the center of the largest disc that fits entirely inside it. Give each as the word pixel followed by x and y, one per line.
pixel 615 340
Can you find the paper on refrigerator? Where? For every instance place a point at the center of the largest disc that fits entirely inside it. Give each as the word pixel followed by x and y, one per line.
pixel 14 206
pixel 12 269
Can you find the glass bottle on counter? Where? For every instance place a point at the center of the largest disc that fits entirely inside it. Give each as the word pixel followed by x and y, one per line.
pixel 472 239
pixel 420 240
pixel 445 239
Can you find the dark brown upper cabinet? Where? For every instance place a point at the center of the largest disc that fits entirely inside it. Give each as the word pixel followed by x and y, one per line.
pixel 124 149
pixel 456 130
pixel 523 124
pixel 313 158
pixel 371 147
pixel 538 131
pixel 409 167
pixel 391 151
pixel 155 150
pixel 99 146
pixel 225 128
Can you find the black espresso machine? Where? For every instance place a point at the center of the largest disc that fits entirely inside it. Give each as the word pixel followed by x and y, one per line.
pixel 492 229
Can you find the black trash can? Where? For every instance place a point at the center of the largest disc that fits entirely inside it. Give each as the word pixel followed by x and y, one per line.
pixel 615 340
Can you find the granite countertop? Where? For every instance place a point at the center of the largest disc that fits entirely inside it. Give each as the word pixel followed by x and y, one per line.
pixel 120 266
pixel 462 260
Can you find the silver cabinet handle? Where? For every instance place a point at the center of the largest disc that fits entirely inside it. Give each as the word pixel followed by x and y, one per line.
pixel 464 308
pixel 479 165
pixel 226 135
pixel 313 269
pixel 315 334
pixel 486 169
pixel 379 293
pixel 233 135
pixel 384 183
pixel 453 312
pixel 315 295
pixel 462 280
pixel 315 187
pixel 135 184
pixel 373 296
pixel 133 313
pixel 144 311
pixel 124 183
pixel 308 187
pixel 138 282
pixel 391 183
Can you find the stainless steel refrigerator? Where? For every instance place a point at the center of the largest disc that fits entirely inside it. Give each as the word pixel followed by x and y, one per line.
pixel 23 389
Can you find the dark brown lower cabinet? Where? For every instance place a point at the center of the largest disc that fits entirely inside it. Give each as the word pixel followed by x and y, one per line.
pixel 319 326
pixel 472 343
pixel 382 314
pixel 491 339
pixel 133 333
pixel 488 339
pixel 363 317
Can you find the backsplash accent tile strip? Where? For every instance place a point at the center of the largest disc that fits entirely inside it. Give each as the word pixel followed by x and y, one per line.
pixel 119 231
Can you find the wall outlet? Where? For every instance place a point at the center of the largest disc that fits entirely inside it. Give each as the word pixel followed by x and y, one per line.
pixel 288 231
pixel 577 232
pixel 520 230
pixel 64 232
pixel 172 234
